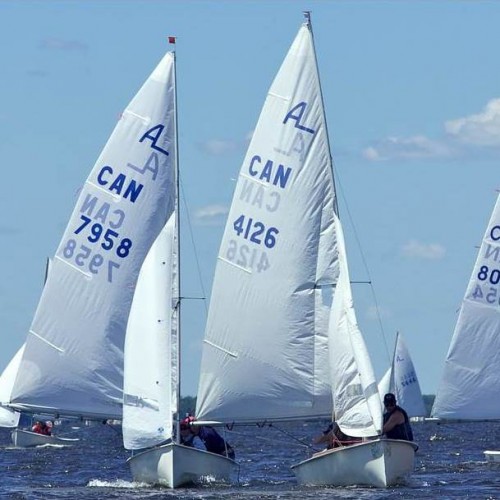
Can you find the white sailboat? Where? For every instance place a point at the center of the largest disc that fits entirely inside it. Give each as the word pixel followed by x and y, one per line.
pixel 152 349
pixel 401 380
pixel 72 364
pixel 470 384
pixel 270 351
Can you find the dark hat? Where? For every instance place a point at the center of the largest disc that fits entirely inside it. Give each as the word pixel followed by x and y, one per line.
pixel 389 399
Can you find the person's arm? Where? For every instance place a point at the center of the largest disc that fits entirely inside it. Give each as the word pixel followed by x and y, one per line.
pixel 395 419
pixel 324 438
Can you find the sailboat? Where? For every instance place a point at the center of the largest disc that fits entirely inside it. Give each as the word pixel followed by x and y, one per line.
pixel 470 384
pixel 152 352
pixel 401 380
pixel 72 363
pixel 276 347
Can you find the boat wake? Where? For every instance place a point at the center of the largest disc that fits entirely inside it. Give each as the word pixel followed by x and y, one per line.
pixel 117 483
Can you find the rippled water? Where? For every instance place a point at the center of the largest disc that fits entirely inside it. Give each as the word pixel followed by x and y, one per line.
pixel 449 464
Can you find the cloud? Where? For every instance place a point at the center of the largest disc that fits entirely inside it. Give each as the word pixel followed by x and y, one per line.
pixel 482 129
pixel 218 147
pixel 411 148
pixel 211 215
pixel 37 73
pixel 415 249
pixel 60 44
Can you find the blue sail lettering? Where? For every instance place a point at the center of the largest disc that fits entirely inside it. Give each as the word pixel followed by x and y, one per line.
pixel 301 107
pixel 492 251
pixel 152 164
pixel 258 195
pixel 132 189
pixel 278 176
pixel 153 134
pixel 114 218
pixel 495 233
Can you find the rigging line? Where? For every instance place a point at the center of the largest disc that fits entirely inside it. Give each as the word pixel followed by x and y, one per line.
pixel 290 435
pixel 257 437
pixel 358 242
pixel 190 227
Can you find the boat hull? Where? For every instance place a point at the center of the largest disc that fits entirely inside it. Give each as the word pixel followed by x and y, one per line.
pixel 492 456
pixel 26 439
pixel 175 465
pixel 380 463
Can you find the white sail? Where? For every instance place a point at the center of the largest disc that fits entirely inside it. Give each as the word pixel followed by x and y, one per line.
pixel 8 417
pixel 404 382
pixel 470 385
pixel 265 354
pixel 149 404
pixel 356 399
pixel 384 386
pixel 73 361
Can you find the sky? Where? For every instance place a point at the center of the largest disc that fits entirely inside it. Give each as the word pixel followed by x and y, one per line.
pixel 412 97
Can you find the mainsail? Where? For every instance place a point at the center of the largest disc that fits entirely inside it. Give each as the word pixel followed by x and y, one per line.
pixel 265 354
pixel 73 360
pixel 470 385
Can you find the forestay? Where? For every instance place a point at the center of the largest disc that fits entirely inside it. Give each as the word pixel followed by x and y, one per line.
pixel 358 410
pixel 73 361
pixel 470 386
pixel 265 354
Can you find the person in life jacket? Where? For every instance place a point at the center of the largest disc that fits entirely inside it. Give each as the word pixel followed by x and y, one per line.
pixel 396 421
pixel 211 439
pixel 37 427
pixel 334 437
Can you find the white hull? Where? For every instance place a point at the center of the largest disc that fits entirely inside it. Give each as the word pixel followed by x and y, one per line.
pixel 492 456
pixel 175 465
pixel 380 462
pixel 25 439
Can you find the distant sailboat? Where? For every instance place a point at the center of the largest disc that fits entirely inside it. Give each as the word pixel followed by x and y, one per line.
pixel 72 364
pixel 275 346
pixel 401 379
pixel 152 350
pixel 470 385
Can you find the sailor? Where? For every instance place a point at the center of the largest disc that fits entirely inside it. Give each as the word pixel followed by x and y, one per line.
pixel 210 438
pixel 396 421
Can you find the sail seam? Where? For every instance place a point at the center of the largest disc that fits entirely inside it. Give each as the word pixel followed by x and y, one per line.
pixel 232 354
pixel 46 341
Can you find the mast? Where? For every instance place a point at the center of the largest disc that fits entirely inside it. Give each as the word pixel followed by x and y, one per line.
pixel 178 247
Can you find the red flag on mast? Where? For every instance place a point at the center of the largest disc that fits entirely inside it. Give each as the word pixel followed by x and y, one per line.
pixel 171 39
